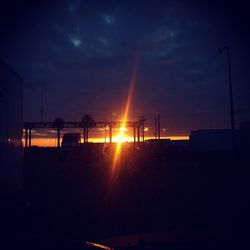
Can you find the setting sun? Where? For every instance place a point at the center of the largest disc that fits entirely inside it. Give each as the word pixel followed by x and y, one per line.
pixel 121 136
pixel 123 129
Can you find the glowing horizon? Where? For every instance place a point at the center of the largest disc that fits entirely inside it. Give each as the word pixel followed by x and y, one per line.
pixel 52 142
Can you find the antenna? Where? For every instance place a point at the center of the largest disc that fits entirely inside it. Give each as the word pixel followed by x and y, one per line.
pixel 42 103
pixel 155 128
pixel 159 127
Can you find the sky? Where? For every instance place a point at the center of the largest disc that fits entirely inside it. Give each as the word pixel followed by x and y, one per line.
pixel 78 57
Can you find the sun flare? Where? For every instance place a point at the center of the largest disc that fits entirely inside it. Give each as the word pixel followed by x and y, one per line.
pixel 122 136
pixel 122 133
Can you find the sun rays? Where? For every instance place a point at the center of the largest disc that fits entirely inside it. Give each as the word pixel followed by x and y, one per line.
pixel 121 135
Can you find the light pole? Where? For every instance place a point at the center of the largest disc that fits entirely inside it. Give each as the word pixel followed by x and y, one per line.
pixel 230 95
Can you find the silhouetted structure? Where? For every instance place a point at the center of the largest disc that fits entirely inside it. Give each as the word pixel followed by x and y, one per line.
pixel 211 139
pixel 11 123
pixel 140 126
pixel 157 127
pixel 71 139
pixel 58 124
pixel 234 142
pixel 220 139
pixel 86 123
pixel 244 136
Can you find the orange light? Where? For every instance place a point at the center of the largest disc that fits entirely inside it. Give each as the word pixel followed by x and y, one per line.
pixel 123 129
pixel 121 136
pixel 98 245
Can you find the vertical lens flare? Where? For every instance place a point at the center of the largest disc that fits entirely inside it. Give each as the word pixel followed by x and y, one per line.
pixel 117 154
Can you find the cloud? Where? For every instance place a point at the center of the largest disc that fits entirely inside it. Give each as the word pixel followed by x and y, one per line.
pixel 73 5
pixel 108 19
pixel 75 41
pixel 104 41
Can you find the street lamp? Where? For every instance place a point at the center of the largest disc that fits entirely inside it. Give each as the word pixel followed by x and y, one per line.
pixel 230 95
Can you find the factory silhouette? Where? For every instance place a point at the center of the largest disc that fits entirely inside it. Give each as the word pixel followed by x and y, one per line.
pixel 203 139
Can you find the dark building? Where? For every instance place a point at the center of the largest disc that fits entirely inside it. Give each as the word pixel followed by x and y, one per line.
pixel 244 136
pixel 11 125
pixel 71 139
pixel 211 139
pixel 221 139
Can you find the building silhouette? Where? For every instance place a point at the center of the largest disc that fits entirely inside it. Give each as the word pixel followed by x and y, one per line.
pixel 11 125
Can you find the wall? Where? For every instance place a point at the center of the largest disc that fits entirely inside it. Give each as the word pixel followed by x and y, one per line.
pixel 11 123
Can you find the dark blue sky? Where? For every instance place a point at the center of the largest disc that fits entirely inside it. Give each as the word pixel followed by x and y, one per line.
pixel 82 54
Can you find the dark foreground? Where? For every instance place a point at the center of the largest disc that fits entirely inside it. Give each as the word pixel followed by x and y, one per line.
pixel 179 199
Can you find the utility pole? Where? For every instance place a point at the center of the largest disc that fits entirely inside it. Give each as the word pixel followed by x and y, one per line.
pixel 230 96
pixel 159 127
pixel 105 133
pixel 42 103
pixel 155 128
pixel 110 132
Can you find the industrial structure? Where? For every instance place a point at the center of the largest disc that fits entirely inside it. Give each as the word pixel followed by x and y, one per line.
pixel 138 128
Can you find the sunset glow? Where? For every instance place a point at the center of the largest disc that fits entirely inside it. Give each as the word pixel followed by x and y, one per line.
pixel 52 142
pixel 121 135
